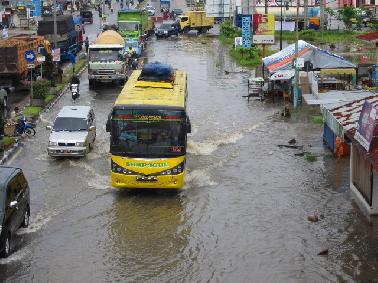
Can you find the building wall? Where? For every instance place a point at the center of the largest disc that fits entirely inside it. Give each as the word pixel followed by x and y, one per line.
pixel 359 198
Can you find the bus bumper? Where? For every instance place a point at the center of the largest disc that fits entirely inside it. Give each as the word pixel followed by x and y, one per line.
pixel 136 182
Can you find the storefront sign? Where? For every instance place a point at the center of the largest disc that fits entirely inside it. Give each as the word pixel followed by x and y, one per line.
pixel 263 28
pixel 246 32
pixel 56 55
pixel 366 125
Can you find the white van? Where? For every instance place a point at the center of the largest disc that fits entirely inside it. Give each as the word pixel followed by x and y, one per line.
pixel 73 132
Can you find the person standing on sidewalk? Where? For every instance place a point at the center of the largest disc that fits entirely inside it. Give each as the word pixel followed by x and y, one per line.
pixel 86 43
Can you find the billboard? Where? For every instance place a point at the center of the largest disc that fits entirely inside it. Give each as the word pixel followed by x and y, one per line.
pixel 263 29
pixel 366 125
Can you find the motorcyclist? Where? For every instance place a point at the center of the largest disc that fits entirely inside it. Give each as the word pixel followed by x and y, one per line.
pixel 132 58
pixel 75 81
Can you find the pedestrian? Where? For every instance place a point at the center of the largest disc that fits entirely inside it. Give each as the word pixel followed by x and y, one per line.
pixel 86 43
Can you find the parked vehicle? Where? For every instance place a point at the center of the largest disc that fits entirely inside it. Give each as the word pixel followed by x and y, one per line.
pixel 13 65
pixel 69 40
pixel 86 16
pixel 106 59
pixel 14 205
pixel 23 126
pixel 134 24
pixel 151 11
pixel 73 132
pixel 195 20
pixel 166 29
pixel 177 12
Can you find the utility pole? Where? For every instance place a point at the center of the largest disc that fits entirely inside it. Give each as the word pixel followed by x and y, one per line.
pixel 281 27
pixel 305 15
pixel 321 16
pixel 55 27
pixel 296 83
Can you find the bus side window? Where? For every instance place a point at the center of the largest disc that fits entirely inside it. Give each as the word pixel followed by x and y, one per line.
pixel 188 125
pixel 109 123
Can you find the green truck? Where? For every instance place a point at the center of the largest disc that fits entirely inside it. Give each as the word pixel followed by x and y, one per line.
pixel 132 23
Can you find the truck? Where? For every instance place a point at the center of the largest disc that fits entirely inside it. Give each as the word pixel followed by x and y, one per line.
pixel 134 23
pixel 13 65
pixel 68 38
pixel 106 59
pixel 195 20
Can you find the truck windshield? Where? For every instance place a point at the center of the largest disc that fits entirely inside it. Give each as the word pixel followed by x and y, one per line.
pixel 148 133
pixel 132 44
pixel 130 26
pixel 104 55
pixel 70 124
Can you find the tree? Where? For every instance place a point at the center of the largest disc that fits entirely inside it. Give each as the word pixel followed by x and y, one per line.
pixel 349 15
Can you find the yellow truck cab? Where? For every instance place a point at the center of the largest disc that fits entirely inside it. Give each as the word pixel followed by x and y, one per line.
pixel 195 20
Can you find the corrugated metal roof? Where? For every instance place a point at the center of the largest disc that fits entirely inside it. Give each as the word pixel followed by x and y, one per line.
pixel 348 114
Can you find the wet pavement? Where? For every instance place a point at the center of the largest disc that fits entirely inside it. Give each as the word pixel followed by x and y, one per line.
pixel 242 216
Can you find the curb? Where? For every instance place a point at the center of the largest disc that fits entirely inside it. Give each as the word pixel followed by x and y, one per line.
pixel 19 143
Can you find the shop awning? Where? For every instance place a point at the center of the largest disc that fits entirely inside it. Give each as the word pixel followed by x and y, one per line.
pixel 341 71
pixel 282 75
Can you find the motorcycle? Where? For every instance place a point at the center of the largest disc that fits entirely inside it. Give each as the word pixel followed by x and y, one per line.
pixel 132 62
pixel 75 91
pixel 23 126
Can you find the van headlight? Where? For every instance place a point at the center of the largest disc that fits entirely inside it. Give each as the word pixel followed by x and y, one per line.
pixel 80 144
pixel 53 143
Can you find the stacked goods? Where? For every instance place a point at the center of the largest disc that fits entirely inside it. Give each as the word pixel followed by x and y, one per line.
pixel 110 37
pixel 12 53
pixel 157 72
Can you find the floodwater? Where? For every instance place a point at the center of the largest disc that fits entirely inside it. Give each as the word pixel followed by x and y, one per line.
pixel 242 216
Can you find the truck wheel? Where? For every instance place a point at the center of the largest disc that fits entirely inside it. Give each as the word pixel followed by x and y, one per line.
pixel 204 30
pixel 7 247
pixel 185 30
pixel 91 84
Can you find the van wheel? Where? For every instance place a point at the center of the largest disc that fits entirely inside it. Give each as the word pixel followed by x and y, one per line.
pixel 25 222
pixel 7 247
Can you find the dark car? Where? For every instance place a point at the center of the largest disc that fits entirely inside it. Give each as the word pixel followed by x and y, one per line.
pixel 14 205
pixel 166 29
pixel 86 16
pixel 177 12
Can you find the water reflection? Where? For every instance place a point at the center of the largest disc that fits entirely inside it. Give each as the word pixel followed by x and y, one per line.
pixel 148 235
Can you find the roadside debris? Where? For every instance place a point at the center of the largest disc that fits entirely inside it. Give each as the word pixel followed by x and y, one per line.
pixel 323 252
pixel 313 218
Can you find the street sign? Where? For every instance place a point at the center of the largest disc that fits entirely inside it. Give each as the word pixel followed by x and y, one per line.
pixel 31 66
pixel 246 32
pixel 56 55
pixel 29 56
pixel 41 59
pixel 299 63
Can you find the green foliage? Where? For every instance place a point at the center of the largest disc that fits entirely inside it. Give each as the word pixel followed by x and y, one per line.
pixel 41 89
pixel 310 157
pixel 49 98
pixel 228 30
pixel 350 15
pixel 48 67
pixel 318 36
pixel 317 119
pixel 8 141
pixel 32 111
pixel 247 57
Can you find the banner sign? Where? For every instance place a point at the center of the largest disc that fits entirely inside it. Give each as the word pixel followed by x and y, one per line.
pixel 56 55
pixel 263 28
pixel 366 125
pixel 37 8
pixel 246 32
pixel 238 41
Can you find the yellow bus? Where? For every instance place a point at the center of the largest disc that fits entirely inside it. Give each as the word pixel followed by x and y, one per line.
pixel 148 129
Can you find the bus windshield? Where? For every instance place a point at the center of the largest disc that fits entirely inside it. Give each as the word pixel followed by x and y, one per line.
pixel 148 133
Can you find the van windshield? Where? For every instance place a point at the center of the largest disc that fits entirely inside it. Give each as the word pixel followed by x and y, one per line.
pixel 70 124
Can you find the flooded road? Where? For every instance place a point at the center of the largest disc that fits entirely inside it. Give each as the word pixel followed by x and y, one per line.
pixel 242 216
